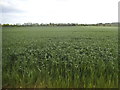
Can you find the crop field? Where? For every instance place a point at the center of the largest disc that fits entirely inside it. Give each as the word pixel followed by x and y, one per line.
pixel 60 57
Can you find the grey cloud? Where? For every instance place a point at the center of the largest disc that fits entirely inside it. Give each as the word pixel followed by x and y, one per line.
pixel 9 9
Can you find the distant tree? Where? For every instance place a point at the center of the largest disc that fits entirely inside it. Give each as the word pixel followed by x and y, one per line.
pixel 5 25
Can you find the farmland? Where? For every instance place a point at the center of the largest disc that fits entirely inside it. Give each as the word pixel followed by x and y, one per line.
pixel 60 57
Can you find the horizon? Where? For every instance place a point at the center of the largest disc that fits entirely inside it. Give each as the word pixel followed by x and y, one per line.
pixel 57 23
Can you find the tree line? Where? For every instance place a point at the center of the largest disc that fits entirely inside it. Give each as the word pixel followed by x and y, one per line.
pixel 57 24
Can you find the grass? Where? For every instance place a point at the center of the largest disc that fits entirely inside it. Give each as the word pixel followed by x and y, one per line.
pixel 60 57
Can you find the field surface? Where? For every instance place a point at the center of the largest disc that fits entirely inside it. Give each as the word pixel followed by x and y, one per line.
pixel 60 57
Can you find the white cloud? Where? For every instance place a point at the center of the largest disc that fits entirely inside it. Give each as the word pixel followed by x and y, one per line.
pixel 66 11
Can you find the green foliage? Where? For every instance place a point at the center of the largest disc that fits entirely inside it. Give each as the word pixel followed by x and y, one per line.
pixel 65 57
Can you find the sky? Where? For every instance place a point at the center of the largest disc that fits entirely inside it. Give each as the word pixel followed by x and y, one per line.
pixel 58 11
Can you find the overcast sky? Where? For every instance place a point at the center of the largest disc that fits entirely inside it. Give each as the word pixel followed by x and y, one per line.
pixel 59 11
